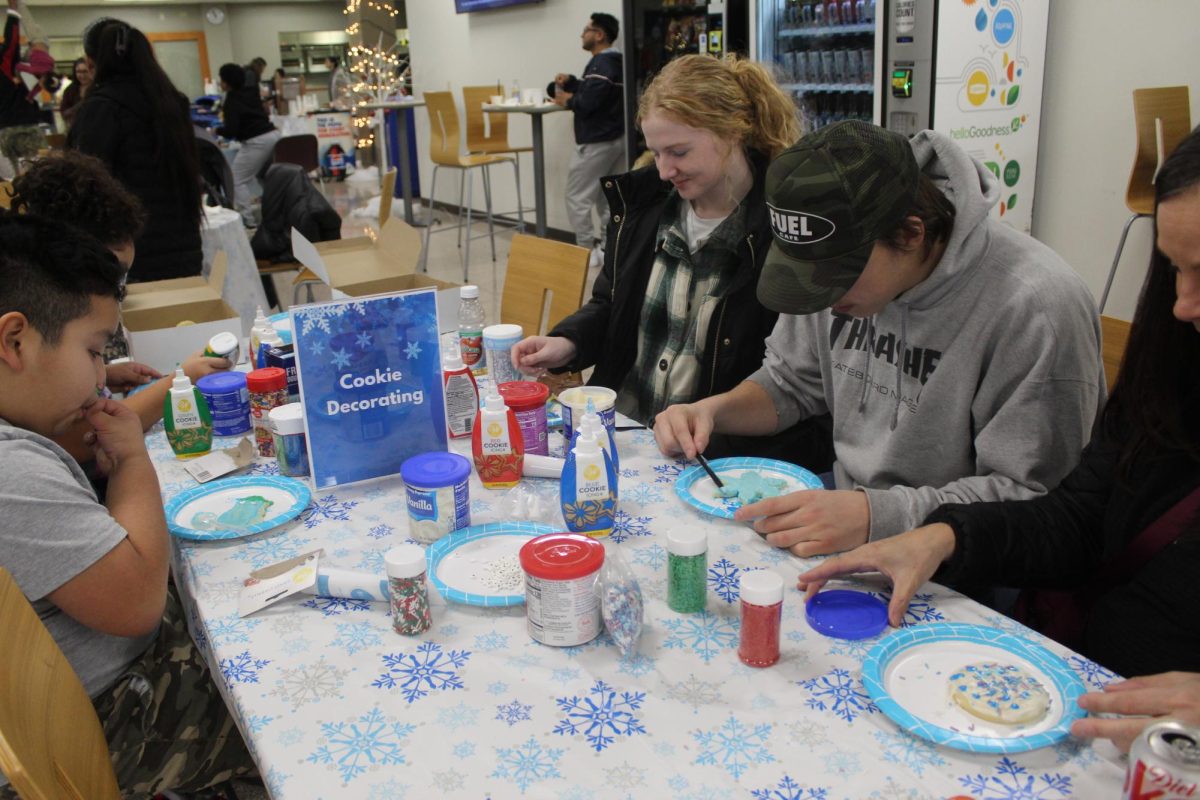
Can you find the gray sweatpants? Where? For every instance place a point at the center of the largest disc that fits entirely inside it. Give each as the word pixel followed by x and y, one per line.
pixel 251 158
pixel 589 163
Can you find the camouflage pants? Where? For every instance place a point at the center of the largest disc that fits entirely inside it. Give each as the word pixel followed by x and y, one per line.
pixel 166 724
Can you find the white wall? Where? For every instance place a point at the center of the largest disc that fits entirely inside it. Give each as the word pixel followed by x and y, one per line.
pixel 1098 52
pixel 529 44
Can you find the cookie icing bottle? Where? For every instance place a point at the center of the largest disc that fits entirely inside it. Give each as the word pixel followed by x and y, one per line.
pixel 591 421
pixel 186 418
pixel 260 326
pixel 496 444
pixel 462 396
pixel 589 488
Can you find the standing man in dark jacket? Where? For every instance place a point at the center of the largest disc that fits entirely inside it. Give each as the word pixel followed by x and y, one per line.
pixel 596 99
pixel 245 120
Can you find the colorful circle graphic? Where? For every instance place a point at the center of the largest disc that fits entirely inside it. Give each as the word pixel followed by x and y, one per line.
pixel 1004 26
pixel 978 87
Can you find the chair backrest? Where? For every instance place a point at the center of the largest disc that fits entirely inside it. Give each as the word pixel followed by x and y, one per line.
pixel 484 136
pixel 56 141
pixel 385 198
pixel 300 150
pixel 443 128
pixel 544 281
pixel 51 743
pixel 1114 334
pixel 6 194
pixel 1169 108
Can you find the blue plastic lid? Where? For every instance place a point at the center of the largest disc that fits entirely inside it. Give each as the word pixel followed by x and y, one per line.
pixel 435 470
pixel 222 382
pixel 846 614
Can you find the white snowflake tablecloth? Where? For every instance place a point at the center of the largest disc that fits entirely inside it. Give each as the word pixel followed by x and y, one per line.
pixel 334 704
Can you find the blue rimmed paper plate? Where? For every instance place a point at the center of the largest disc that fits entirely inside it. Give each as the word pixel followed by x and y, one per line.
pixel 696 489
pixel 477 566
pixel 231 508
pixel 907 675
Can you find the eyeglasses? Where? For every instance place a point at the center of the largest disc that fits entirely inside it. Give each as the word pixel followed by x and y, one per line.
pixel 591 29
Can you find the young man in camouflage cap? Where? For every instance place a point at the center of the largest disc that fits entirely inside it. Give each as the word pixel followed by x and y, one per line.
pixel 959 358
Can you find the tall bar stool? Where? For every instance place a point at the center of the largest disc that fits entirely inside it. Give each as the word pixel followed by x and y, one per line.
pixel 444 152
pixel 488 134
pixel 1162 117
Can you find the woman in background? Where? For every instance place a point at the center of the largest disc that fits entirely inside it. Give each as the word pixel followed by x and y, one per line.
pixel 136 122
pixel 81 81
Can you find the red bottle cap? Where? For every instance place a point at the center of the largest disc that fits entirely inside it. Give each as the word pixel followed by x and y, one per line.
pixel 521 395
pixel 561 556
pixel 267 379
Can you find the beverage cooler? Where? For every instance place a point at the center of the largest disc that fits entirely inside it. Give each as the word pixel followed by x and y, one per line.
pixel 971 69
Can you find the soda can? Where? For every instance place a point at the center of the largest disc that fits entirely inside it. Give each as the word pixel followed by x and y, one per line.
pixel 1164 763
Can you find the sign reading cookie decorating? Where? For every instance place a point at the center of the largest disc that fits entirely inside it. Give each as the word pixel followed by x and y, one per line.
pixel 370 380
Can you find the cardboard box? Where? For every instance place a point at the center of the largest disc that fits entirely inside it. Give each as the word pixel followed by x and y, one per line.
pixel 379 261
pixel 152 312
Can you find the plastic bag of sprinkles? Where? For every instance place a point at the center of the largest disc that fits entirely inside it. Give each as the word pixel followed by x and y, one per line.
pixel 620 600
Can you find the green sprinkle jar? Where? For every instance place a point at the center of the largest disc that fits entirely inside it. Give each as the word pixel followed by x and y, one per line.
pixel 687 571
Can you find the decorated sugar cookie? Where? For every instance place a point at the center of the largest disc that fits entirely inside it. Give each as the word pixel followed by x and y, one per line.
pixel 750 487
pixel 999 693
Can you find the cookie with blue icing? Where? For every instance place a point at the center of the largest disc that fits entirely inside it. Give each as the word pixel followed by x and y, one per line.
pixel 1000 693
pixel 750 487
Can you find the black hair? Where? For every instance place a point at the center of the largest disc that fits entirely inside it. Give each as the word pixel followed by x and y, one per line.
pixel 49 272
pixel 232 74
pixel 78 189
pixel 122 52
pixel 607 23
pixel 258 61
pixel 334 60
pixel 933 209
pixel 1157 382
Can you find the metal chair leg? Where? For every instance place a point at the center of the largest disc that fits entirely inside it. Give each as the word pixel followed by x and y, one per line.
pixel 520 206
pixel 487 199
pixel 1112 272
pixel 429 228
pixel 462 176
pixel 467 249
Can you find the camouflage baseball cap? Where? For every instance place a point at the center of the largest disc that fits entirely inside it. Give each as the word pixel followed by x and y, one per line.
pixel 830 197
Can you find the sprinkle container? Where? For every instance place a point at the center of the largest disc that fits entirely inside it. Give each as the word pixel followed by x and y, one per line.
pixel 498 341
pixel 687 570
pixel 762 610
pixel 408 594
pixel 291 443
pixel 438 494
pixel 562 606
pixel 228 401
pixel 268 389
pixel 574 405
pixel 224 345
pixel 528 399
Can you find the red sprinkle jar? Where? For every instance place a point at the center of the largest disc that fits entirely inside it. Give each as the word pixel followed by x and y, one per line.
pixel 527 399
pixel 268 389
pixel 762 610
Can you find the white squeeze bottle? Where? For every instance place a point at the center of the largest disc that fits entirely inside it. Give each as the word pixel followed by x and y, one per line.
pixel 261 326
pixel 470 329
pixel 462 396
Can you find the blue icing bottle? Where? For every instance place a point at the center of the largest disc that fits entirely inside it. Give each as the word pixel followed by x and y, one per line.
pixel 591 421
pixel 589 488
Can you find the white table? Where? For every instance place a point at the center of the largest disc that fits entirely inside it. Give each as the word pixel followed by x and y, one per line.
pixel 405 167
pixel 476 709
pixel 222 229
pixel 536 113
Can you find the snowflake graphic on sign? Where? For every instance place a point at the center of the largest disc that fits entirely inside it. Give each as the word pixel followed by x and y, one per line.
pixel 1011 781
pixel 706 634
pixel 734 746
pixel 412 350
pixel 840 694
pixel 427 670
pixel 601 716
pixel 350 747
pixel 242 668
pixel 528 763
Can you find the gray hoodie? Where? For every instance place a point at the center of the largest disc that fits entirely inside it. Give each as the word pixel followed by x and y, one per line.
pixel 980 383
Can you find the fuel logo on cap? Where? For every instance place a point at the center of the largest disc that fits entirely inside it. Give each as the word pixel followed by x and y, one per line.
pixel 798 227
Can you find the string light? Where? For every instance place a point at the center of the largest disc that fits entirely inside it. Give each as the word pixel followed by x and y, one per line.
pixel 378 65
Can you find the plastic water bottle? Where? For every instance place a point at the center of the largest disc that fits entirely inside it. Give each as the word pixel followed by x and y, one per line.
pixel 470 329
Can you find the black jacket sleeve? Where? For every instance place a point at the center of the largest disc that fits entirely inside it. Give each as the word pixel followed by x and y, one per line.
pixel 600 87
pixel 588 327
pixel 97 130
pixel 1053 541
pixel 231 117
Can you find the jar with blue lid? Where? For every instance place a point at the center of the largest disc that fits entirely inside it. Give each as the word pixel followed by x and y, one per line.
pixel 228 400
pixel 437 487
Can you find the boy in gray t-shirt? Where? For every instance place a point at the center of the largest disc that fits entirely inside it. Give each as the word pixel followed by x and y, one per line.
pixel 96 574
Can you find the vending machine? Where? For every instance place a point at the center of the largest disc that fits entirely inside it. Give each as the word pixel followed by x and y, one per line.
pixel 970 69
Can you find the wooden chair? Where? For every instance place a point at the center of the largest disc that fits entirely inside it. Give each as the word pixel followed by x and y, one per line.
pixel 444 152
pixel 1161 117
pixel 56 141
pixel 488 133
pixel 1114 334
pixel 301 150
pixel 6 194
pixel 544 283
pixel 51 742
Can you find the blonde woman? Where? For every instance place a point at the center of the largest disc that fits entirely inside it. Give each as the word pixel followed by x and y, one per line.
pixel 673 315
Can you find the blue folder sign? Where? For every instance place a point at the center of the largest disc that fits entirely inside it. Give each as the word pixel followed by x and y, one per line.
pixel 371 382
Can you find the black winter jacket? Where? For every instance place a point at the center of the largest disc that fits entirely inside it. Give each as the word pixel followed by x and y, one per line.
pixel 1060 540
pixel 243 115
pixel 114 125
pixel 290 201
pixel 598 99
pixel 605 329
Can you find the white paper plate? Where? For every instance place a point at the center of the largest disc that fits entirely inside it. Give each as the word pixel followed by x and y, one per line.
pixel 288 497
pixel 457 562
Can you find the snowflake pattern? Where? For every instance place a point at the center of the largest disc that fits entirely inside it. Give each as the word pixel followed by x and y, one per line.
pixel 788 789
pixel 1094 675
pixel 725 579
pixel 513 712
pixel 328 507
pixel 602 716
pixel 310 683
pixel 920 609
pixel 363 340
pixel 909 751
pixel 427 670
pixel 339 358
pixel 667 473
pixel 272 550
pixel 497 688
pixel 842 763
pixel 380 531
pixel 653 556
pixel 625 526
pixel 1011 781
pixel 372 561
pixel 643 494
pixel 231 629
pixel 493 640
pixel 242 668
pixel 355 636
pixel 459 716
pixel 695 693
pixel 1077 751
pixel 527 763
pixel 840 694
pixel 636 664
pixel 412 350
pixel 564 675
pixel 388 790
pixel 734 746
pixel 351 747
pixel 706 634
pixel 264 468
pixel 333 606
pixel 463 750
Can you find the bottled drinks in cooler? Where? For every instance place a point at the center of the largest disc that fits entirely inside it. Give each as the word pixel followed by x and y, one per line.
pixel 470 329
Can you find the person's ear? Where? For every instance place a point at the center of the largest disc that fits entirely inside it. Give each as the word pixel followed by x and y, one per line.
pixel 912 234
pixel 15 331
